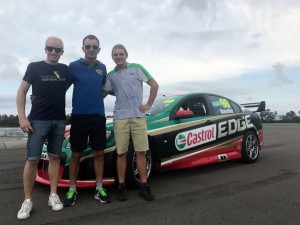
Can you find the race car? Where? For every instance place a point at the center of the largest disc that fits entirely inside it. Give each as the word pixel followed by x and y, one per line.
pixel 184 131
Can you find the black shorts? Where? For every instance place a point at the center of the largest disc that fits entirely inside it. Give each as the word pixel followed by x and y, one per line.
pixel 88 129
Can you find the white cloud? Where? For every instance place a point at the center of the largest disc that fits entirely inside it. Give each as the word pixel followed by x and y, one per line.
pixel 280 78
pixel 177 41
pixel 9 67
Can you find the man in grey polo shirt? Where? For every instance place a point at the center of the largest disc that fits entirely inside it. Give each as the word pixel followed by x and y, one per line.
pixel 126 81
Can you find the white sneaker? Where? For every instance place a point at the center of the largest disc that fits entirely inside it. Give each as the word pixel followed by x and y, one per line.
pixel 55 203
pixel 25 210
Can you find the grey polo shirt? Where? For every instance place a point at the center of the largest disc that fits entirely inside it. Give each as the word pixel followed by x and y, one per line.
pixel 127 85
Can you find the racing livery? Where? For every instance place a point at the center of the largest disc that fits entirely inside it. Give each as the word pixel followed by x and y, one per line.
pixel 184 131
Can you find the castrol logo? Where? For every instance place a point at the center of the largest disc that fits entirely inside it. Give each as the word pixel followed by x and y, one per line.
pixel 192 138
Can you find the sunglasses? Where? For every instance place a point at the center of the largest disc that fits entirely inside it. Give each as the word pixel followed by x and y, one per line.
pixel 50 49
pixel 94 47
pixel 118 54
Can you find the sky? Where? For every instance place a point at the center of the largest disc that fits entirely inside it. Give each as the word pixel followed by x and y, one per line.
pixel 246 50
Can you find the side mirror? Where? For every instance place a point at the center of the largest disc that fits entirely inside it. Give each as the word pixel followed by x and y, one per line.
pixel 183 114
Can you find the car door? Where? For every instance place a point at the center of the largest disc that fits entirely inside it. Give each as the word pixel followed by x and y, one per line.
pixel 189 134
pixel 231 123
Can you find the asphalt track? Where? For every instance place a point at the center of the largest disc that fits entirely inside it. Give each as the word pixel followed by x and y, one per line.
pixel 230 193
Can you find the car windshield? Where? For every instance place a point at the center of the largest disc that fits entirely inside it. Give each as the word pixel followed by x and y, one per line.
pixel 160 105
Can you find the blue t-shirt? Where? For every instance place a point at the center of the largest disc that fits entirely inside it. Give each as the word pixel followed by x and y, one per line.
pixel 88 87
pixel 49 86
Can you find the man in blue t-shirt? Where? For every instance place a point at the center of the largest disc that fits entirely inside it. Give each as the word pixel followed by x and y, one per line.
pixel 88 122
pixel 47 117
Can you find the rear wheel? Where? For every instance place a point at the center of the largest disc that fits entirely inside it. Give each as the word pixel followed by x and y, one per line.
pixel 250 147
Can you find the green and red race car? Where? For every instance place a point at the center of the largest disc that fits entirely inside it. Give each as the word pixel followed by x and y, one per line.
pixel 184 131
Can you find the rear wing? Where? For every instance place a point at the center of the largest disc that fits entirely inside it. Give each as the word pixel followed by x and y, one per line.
pixel 261 106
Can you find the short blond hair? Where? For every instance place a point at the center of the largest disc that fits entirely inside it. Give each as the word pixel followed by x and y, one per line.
pixel 119 46
pixel 56 39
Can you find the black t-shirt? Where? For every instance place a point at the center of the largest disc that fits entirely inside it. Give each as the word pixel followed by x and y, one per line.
pixel 49 86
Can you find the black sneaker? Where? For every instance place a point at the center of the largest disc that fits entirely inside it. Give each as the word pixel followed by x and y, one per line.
pixel 102 196
pixel 145 193
pixel 122 193
pixel 71 198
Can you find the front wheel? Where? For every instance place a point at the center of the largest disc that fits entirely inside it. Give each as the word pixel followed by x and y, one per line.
pixel 132 175
pixel 250 147
pixel 132 178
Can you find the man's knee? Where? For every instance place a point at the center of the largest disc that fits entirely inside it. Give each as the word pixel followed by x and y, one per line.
pixel 122 156
pixel 75 156
pixel 98 155
pixel 140 154
pixel 32 163
pixel 53 159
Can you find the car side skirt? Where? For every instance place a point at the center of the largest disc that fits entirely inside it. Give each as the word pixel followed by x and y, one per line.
pixel 204 156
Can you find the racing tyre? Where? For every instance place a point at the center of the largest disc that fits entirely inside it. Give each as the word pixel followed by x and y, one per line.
pixel 114 167
pixel 250 147
pixel 132 175
pixel 132 178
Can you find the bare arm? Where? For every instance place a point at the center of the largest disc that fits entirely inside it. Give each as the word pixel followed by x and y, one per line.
pixel 153 92
pixel 21 101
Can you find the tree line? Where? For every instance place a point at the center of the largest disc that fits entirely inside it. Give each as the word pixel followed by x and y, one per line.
pixel 13 121
pixel 267 116
pixel 271 117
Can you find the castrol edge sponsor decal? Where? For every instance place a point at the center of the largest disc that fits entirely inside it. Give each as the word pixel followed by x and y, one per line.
pixel 195 137
pixel 174 127
pixel 192 138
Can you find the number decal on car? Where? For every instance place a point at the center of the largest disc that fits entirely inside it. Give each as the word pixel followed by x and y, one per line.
pixel 45 156
pixel 224 102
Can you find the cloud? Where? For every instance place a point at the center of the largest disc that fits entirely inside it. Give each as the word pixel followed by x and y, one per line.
pixel 195 45
pixel 280 78
pixel 9 67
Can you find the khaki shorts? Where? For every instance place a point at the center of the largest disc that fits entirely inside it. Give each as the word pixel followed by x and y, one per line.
pixel 138 129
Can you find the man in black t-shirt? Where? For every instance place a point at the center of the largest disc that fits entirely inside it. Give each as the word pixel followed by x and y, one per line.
pixel 47 117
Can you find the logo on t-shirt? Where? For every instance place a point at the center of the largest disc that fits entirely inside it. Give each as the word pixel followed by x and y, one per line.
pixel 100 72
pixel 56 74
pixel 53 77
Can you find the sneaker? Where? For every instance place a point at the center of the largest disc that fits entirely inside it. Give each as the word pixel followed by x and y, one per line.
pixel 145 193
pixel 25 210
pixel 55 203
pixel 122 193
pixel 102 196
pixel 71 197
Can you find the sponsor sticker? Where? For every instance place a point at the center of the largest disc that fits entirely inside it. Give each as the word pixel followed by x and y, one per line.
pixel 108 134
pixel 44 156
pixel 233 126
pixel 169 101
pixel 195 137
pixel 199 136
pixel 100 72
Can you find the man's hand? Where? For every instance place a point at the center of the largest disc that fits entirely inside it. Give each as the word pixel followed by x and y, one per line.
pixel 25 125
pixel 145 108
pixel 32 97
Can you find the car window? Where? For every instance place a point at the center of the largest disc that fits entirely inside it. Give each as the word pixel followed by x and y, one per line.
pixel 159 106
pixel 236 107
pixel 196 105
pixel 223 105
